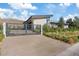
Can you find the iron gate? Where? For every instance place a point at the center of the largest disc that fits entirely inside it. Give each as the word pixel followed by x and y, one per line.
pixel 14 29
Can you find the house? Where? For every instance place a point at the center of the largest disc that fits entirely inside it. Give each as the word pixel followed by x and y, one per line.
pixel 37 20
pixel 55 24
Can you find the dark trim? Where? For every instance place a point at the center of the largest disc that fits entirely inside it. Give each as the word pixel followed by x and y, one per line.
pixel 57 23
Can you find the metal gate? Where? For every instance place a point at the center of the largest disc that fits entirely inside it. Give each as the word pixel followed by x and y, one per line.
pixel 14 29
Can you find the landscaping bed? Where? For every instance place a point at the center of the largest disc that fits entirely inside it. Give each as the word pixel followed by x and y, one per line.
pixel 68 36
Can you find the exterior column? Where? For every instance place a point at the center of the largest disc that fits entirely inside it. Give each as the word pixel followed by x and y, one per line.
pixel 41 29
pixel 26 27
pixel 4 29
pixel 32 27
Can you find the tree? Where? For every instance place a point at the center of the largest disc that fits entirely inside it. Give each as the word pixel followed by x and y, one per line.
pixel 69 20
pixel 76 21
pixel 61 22
pixel 70 23
pixel 47 28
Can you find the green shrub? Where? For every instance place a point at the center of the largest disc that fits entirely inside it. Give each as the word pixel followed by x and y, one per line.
pixel 37 30
pixel 47 28
pixel 0 28
pixel 69 35
pixel 77 38
pixel 1 37
pixel 65 39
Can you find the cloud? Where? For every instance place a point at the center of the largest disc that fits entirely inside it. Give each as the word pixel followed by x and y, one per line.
pixel 22 9
pixel 50 8
pixel 12 13
pixel 5 13
pixel 77 5
pixel 31 13
pixel 5 10
pixel 22 6
pixel 65 4
pixel 24 14
pixel 70 16
pixel 2 15
pixel 55 8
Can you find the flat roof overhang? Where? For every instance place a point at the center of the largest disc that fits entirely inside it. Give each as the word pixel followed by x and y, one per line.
pixel 37 17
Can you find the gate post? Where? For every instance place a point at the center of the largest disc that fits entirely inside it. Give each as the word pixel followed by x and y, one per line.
pixel 26 27
pixel 4 29
pixel 41 29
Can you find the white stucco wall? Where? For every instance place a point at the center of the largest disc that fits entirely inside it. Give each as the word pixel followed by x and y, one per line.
pixel 39 21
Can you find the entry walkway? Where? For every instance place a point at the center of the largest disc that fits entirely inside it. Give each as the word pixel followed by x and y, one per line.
pixel 32 45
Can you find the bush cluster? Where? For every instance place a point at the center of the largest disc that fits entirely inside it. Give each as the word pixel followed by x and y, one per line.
pixel 67 35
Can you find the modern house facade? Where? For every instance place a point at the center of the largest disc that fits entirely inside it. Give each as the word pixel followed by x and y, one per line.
pixel 37 21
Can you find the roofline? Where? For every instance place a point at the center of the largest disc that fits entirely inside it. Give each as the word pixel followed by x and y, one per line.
pixel 42 15
pixel 38 15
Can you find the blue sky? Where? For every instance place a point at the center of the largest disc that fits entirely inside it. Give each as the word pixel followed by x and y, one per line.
pixel 24 10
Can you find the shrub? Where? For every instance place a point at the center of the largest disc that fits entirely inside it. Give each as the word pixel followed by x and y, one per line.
pixel 69 35
pixel 65 39
pixel 1 37
pixel 71 40
pixel 1 34
pixel 47 28
pixel 0 28
pixel 37 29
pixel 77 39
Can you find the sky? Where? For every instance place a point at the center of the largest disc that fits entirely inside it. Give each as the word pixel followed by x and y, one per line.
pixel 23 11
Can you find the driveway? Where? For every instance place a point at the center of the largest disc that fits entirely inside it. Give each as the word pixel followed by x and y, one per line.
pixel 32 45
pixel 72 51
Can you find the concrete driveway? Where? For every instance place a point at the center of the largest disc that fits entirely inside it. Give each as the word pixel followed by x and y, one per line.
pixel 72 51
pixel 32 45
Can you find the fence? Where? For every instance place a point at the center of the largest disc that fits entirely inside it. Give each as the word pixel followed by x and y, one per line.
pixel 14 29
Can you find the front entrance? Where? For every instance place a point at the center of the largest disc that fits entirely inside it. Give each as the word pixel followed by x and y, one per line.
pixel 14 29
